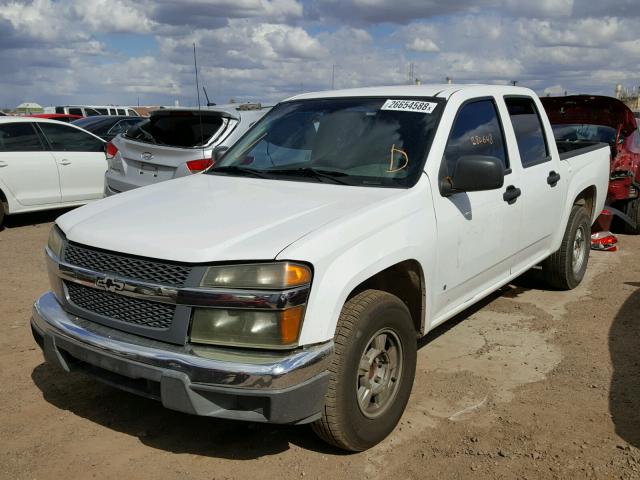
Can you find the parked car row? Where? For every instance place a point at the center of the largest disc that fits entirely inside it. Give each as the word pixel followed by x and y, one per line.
pixel 43 160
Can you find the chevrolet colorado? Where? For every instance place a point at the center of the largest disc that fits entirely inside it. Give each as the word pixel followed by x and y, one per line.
pixel 290 282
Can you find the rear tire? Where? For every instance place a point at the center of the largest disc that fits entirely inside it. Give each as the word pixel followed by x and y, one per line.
pixel 372 372
pixel 632 210
pixel 565 269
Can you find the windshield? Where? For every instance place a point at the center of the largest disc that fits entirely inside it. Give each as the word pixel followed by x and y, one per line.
pixel 584 132
pixel 361 141
pixel 177 129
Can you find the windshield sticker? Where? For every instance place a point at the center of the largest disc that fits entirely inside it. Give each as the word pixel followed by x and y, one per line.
pixel 409 106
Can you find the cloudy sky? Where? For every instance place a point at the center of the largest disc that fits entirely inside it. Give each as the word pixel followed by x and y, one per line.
pixel 130 51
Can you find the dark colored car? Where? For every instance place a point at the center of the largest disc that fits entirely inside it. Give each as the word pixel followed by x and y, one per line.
pixel 108 126
pixel 589 118
pixel 61 117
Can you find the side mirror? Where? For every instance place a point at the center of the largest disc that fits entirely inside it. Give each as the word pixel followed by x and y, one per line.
pixel 474 173
pixel 218 153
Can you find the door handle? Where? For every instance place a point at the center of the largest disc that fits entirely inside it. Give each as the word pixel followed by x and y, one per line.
pixel 511 194
pixel 3 164
pixel 553 178
pixel 64 161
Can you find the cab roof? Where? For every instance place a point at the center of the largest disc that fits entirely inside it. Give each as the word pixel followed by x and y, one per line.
pixel 438 90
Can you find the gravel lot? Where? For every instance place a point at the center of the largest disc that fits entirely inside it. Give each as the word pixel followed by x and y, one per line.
pixel 530 384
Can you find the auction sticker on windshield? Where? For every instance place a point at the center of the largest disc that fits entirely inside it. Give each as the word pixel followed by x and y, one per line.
pixel 409 106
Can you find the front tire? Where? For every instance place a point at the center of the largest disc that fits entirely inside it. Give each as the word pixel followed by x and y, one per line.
pixel 565 269
pixel 372 371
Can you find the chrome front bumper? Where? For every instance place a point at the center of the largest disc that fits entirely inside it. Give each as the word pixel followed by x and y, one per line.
pixel 276 387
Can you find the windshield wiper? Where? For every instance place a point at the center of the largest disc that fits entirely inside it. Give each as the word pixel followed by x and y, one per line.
pixel 239 170
pixel 312 173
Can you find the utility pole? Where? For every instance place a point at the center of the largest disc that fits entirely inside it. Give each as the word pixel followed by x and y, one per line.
pixel 333 76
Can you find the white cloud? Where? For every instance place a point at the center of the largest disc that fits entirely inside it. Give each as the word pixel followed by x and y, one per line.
pixel 112 16
pixel 270 49
pixel 422 45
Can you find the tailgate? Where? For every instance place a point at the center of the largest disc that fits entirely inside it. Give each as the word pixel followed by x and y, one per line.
pixel 146 163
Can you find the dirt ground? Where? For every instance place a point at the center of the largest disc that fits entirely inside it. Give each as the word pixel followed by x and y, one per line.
pixel 530 384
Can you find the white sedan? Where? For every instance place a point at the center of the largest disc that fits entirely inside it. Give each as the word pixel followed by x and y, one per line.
pixel 46 164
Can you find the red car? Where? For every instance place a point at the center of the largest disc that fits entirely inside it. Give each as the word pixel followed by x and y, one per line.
pixel 62 117
pixel 588 119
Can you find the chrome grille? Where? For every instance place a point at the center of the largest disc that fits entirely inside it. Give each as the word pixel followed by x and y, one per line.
pixel 126 266
pixel 119 307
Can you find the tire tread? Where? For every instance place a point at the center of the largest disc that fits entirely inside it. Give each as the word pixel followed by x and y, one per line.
pixel 328 427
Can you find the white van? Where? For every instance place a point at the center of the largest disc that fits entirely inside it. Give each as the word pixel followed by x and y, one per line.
pixel 93 110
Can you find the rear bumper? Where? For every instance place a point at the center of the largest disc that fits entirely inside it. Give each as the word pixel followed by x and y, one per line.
pixel 275 388
pixel 114 184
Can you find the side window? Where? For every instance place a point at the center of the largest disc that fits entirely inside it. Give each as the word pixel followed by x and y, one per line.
pixel 121 126
pixel 121 111
pixel 476 131
pixel 76 111
pixel 131 112
pixel 63 138
pixel 527 126
pixel 60 110
pixel 103 111
pixel 19 137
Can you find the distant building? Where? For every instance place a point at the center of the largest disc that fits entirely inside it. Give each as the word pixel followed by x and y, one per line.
pixel 29 108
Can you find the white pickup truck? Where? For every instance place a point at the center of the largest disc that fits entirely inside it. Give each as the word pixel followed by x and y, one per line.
pixel 290 282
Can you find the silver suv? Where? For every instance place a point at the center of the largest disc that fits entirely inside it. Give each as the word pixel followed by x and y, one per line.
pixel 174 142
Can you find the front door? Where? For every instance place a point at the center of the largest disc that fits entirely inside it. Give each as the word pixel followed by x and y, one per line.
pixel 477 231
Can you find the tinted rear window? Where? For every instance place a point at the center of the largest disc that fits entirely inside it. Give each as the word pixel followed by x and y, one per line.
pixel 19 137
pixel 177 130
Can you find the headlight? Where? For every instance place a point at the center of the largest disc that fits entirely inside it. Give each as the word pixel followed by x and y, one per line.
pixel 274 276
pixel 247 328
pixel 56 241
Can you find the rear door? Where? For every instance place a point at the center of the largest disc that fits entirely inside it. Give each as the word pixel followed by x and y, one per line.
pixel 80 159
pixel 542 185
pixel 477 231
pixel 26 168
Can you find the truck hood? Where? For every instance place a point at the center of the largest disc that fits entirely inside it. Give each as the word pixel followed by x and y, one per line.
pixel 206 218
pixel 591 110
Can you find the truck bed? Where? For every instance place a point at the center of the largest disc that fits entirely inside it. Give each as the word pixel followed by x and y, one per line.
pixel 568 149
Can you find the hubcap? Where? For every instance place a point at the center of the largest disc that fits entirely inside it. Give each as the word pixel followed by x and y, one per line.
pixel 379 373
pixel 579 249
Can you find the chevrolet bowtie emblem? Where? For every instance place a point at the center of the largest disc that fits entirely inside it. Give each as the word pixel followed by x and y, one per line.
pixel 109 284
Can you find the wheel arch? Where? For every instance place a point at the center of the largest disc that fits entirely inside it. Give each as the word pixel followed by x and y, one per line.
pixel 4 203
pixel 588 198
pixel 406 281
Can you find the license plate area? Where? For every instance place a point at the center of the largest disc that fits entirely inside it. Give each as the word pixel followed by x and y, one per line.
pixel 147 169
